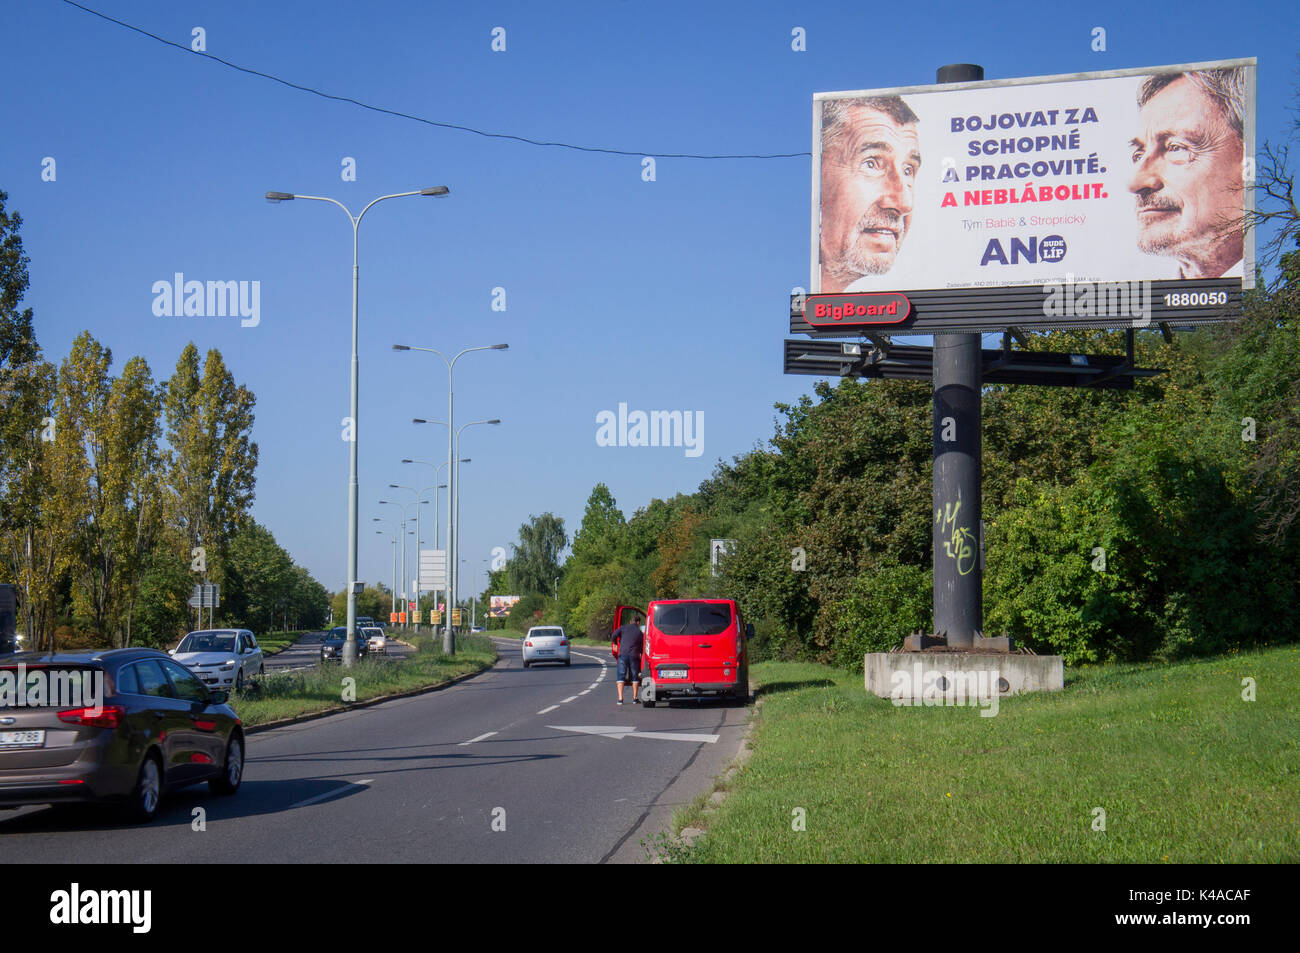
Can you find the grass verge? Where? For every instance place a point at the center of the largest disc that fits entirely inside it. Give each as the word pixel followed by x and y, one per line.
pixel 290 694
pixel 1185 769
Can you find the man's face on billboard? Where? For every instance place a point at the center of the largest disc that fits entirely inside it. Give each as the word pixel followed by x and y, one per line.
pixel 868 180
pixel 1187 179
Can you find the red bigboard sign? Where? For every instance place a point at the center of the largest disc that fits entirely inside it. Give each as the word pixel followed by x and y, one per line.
pixel 861 310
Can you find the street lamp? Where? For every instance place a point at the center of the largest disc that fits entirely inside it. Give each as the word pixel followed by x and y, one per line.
pixel 350 646
pixel 382 533
pixel 396 486
pixel 437 496
pixel 455 535
pixel 449 637
pixel 403 507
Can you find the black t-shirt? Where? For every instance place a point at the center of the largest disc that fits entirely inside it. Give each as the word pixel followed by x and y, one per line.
pixel 630 638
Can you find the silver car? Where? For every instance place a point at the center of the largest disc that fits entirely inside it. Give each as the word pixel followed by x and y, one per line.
pixel 546 643
pixel 376 640
pixel 223 659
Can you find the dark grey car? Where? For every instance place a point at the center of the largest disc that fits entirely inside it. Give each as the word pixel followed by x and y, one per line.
pixel 153 727
pixel 331 647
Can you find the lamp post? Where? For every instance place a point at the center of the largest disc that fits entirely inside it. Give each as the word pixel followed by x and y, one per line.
pixel 382 533
pixel 437 495
pixel 449 636
pixel 456 526
pixel 350 646
pixel 395 486
pixel 402 507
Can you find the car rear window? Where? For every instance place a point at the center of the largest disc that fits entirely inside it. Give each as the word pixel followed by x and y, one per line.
pixel 547 633
pixel 151 679
pixel 692 618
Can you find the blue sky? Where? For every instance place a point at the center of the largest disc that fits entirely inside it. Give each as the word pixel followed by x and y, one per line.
pixel 664 295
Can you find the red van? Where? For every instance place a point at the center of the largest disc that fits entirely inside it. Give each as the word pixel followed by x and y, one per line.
pixel 693 648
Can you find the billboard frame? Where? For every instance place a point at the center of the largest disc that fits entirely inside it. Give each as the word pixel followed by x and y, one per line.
pixel 1247 280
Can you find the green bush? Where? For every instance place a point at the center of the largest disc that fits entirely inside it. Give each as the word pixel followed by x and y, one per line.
pixel 880 609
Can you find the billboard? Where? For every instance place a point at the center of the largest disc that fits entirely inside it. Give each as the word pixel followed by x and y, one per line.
pixel 500 606
pixel 1045 194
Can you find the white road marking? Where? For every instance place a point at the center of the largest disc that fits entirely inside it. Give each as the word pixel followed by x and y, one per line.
pixel 545 710
pixel 337 792
pixel 569 699
pixel 622 731
pixel 473 740
pixel 584 691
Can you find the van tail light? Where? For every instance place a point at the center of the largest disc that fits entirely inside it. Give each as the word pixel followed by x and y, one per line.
pixel 737 647
pixel 109 716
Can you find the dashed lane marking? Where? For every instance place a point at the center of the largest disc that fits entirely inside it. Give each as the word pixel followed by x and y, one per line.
pixel 337 792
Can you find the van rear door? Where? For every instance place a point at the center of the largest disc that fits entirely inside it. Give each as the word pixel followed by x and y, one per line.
pixel 713 649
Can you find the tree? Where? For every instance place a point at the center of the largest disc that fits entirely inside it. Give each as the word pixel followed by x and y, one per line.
pixel 83 487
pixel 535 563
pixel 133 512
pixel 211 467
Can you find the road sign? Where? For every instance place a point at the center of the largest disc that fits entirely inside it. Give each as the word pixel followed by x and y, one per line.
pixel 205 596
pixel 718 548
pixel 433 569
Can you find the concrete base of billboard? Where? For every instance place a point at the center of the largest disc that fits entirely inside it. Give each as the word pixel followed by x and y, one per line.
pixel 913 675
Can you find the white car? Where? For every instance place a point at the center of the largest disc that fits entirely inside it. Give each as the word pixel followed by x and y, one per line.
pixel 374 635
pixel 546 643
pixel 223 659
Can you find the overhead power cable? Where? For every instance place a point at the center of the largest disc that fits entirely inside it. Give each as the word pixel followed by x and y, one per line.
pixel 432 122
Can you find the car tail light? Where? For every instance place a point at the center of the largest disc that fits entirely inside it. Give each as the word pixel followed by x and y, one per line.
pixel 564 641
pixel 529 643
pixel 110 716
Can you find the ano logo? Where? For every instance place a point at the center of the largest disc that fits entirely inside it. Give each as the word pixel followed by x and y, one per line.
pixel 1048 250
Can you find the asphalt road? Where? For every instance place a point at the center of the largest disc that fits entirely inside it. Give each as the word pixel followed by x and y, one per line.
pixel 305 653
pixel 489 770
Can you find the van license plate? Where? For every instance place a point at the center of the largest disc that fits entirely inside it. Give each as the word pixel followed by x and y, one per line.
pixel 672 673
pixel 22 739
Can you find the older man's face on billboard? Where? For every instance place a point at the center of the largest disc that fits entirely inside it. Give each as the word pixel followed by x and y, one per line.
pixel 1187 179
pixel 868 181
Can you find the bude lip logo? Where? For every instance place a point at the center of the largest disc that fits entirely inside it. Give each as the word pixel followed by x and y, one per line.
pixel 856 310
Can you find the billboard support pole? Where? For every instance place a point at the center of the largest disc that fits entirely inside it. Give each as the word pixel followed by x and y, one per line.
pixel 958 575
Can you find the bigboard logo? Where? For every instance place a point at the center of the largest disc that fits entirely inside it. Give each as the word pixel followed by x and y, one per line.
pixel 1049 249
pixel 857 309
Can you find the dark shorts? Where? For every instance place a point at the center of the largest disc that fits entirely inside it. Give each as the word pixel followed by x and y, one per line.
pixel 629 668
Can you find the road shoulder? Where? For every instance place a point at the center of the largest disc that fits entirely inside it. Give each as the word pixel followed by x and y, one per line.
pixel 698 777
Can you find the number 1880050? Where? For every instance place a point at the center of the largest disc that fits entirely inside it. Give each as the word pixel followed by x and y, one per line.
pixel 1187 299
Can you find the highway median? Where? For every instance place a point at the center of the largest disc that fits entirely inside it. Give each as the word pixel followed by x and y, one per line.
pixel 274 698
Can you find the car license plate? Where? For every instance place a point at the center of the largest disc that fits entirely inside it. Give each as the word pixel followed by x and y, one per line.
pixel 22 739
pixel 544 652
pixel 672 673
